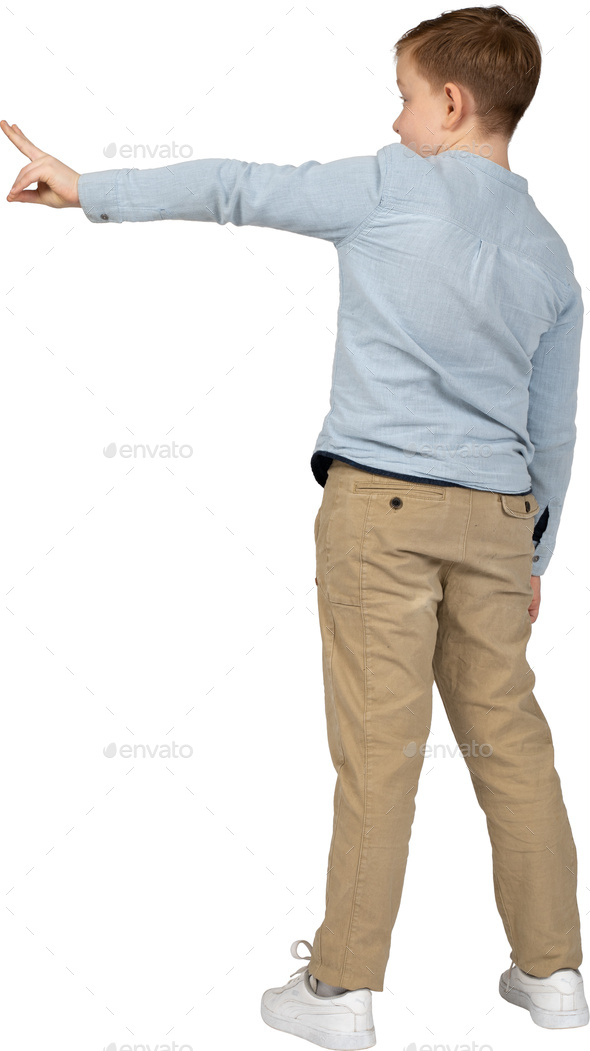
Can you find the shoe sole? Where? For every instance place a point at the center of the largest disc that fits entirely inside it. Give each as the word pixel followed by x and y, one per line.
pixel 333 1041
pixel 547 1019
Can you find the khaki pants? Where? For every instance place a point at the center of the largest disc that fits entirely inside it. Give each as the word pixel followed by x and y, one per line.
pixel 419 582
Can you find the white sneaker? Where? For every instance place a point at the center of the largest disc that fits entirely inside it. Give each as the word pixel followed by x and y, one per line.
pixel 343 1022
pixel 556 1002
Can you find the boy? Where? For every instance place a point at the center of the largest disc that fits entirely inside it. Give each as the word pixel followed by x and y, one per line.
pixel 445 460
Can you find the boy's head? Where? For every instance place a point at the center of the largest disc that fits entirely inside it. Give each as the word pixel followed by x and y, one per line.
pixel 465 78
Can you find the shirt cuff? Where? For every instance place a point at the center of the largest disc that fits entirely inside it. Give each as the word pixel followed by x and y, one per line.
pixel 97 192
pixel 541 559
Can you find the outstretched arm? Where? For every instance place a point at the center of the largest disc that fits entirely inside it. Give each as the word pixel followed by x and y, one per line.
pixel 318 200
pixel 329 201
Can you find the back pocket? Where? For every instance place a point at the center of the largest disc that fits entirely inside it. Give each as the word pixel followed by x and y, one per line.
pixel 399 486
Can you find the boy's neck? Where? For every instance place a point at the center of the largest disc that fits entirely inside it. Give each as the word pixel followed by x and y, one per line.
pixel 495 150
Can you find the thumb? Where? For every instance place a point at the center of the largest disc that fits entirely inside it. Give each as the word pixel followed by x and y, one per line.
pixel 32 196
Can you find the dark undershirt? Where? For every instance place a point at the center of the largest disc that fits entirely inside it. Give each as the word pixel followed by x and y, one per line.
pixel 321 461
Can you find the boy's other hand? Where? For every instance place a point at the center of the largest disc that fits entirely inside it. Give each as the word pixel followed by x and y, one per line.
pixel 57 185
pixel 534 606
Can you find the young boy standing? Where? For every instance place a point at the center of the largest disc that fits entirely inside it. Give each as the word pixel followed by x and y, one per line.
pixel 445 461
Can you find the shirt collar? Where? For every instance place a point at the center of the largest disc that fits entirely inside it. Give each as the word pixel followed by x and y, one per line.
pixel 488 167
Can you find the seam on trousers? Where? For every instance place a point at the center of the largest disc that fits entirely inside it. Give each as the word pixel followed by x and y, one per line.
pixel 506 913
pixel 467 524
pixel 366 769
pixel 337 815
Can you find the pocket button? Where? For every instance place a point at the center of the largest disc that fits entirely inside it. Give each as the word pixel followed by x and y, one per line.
pixel 396 502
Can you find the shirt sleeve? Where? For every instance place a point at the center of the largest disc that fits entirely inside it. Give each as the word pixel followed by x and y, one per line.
pixel 317 200
pixel 551 422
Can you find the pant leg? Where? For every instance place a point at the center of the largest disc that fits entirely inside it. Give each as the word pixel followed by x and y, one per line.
pixel 378 592
pixel 486 685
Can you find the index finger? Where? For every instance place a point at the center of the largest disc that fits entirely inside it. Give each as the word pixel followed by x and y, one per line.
pixel 20 141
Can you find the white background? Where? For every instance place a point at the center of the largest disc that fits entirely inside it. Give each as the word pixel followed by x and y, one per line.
pixel 152 900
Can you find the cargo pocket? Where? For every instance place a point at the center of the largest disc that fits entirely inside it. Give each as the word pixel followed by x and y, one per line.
pixel 524 508
pixel 519 506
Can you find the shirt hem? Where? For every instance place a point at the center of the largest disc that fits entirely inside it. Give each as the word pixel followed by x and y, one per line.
pixel 321 461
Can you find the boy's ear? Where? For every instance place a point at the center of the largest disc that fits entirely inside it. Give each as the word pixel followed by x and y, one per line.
pixel 457 100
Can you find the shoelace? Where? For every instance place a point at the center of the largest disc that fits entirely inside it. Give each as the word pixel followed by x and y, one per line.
pixel 300 941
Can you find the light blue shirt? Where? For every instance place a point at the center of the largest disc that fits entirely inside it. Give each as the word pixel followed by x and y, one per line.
pixel 459 322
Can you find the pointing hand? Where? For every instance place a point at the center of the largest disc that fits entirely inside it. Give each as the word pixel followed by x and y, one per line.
pixel 57 185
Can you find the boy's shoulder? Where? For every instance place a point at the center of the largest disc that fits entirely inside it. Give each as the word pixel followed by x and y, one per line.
pixel 458 188
pixel 556 249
